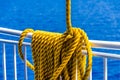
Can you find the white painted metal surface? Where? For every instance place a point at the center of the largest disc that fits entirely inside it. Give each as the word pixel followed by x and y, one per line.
pixel 15 63
pixel 95 44
pixel 4 62
pixel 90 75
pixel 105 68
pixel 25 66
pixel 99 54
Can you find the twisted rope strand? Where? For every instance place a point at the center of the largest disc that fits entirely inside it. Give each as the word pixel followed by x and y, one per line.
pixel 56 54
pixel 48 47
pixel 20 47
pixel 68 15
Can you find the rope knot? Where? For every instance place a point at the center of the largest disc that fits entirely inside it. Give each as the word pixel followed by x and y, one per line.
pixel 57 54
pixel 72 33
pixel 72 52
pixel 60 52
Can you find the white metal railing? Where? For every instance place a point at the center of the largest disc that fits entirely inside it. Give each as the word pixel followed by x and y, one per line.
pixel 15 68
pixel 4 61
pixel 95 44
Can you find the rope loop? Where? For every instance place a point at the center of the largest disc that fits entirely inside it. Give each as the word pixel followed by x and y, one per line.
pixel 22 36
pixel 71 41
pixel 56 55
pixel 74 46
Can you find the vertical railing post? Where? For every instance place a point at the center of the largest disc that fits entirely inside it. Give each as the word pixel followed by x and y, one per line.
pixel 25 59
pixel 105 68
pixel 90 75
pixel 15 66
pixel 4 62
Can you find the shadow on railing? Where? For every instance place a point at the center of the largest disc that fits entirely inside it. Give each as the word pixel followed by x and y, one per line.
pixel 95 44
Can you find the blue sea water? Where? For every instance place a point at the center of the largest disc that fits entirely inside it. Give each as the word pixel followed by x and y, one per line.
pixel 99 18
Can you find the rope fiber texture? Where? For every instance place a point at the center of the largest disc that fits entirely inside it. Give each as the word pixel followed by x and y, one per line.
pixel 58 55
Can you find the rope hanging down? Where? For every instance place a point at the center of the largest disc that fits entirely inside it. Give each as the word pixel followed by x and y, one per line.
pixel 56 54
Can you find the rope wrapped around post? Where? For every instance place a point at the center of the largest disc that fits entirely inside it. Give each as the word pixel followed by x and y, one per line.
pixel 56 54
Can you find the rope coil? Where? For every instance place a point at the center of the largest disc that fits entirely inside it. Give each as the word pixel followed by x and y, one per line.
pixel 56 54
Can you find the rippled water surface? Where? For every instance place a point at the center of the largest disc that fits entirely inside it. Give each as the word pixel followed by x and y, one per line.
pixel 99 18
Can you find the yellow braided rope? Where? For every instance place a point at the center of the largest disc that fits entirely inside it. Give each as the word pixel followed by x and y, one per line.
pixel 68 14
pixel 23 35
pixel 56 54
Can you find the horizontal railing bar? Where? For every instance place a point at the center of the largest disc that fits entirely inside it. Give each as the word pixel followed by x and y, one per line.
pixel 26 43
pixel 13 32
pixel 101 54
pixel 105 44
pixel 6 34
pixel 95 43
pixel 12 35
pixel 14 42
